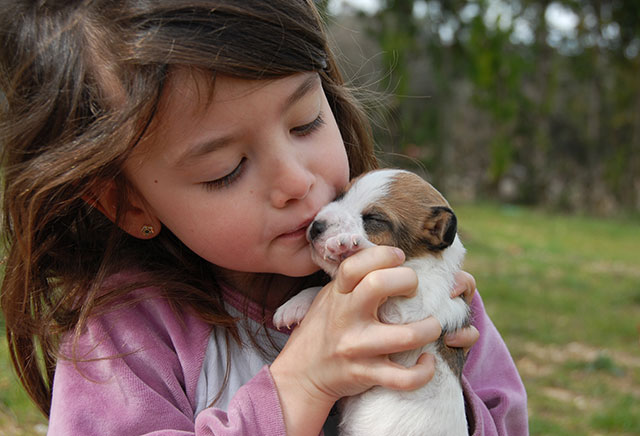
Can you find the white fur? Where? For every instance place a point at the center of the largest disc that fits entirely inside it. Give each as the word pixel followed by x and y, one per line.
pixel 345 234
pixel 436 408
pixel 292 311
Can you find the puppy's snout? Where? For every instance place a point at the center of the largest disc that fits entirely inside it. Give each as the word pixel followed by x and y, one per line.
pixel 316 229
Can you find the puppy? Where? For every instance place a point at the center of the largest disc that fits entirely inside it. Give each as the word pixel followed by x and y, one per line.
pixel 398 208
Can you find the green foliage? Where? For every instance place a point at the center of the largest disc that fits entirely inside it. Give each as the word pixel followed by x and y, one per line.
pixel 554 111
pixel 621 416
pixel 601 363
pixel 18 416
pixel 564 291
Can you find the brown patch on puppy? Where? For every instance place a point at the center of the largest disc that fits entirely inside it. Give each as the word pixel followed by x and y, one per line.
pixel 414 217
pixel 440 228
pixel 454 357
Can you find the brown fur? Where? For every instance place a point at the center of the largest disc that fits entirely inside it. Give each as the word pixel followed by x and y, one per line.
pixel 414 217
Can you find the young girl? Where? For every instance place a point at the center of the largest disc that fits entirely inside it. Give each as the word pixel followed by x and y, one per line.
pixel 161 161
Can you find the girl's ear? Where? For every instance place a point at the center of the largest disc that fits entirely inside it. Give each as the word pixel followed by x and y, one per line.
pixel 136 220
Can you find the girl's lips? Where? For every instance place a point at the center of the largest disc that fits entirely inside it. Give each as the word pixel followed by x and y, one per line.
pixel 300 231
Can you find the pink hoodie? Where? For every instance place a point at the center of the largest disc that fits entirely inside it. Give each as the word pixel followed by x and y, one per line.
pixel 141 365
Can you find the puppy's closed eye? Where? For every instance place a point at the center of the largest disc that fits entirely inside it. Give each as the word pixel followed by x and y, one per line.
pixel 376 222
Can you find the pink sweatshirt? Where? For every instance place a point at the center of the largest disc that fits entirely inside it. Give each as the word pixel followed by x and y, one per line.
pixel 141 365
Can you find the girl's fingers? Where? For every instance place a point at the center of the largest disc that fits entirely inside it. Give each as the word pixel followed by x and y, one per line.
pixel 462 338
pixel 465 285
pixel 381 339
pixel 378 285
pixel 353 269
pixel 397 377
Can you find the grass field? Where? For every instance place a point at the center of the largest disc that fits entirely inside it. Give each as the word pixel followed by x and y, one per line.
pixel 565 293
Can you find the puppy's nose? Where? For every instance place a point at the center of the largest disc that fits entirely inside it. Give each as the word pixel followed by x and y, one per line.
pixel 316 228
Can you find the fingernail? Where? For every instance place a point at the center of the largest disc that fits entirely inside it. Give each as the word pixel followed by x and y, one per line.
pixel 426 359
pixel 458 288
pixel 399 253
pixel 451 336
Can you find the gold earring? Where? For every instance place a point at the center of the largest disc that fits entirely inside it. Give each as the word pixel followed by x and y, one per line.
pixel 147 231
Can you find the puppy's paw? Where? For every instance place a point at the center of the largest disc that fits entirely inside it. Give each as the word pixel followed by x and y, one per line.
pixel 293 311
pixel 339 247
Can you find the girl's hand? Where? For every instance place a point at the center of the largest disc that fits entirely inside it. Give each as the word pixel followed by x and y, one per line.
pixel 465 286
pixel 341 348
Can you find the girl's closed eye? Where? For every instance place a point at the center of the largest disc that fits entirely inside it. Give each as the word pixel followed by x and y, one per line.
pixel 309 128
pixel 227 180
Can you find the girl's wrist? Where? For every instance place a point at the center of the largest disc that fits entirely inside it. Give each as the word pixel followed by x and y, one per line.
pixel 304 407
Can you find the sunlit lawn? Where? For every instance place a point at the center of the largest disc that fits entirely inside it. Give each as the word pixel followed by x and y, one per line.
pixel 564 292
pixel 18 416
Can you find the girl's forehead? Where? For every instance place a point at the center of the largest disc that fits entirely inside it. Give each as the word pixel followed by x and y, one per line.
pixel 186 98
pixel 202 88
pixel 196 91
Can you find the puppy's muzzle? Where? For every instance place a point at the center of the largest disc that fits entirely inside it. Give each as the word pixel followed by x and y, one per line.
pixel 316 228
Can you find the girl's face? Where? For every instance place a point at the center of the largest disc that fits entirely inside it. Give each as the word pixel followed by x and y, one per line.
pixel 238 178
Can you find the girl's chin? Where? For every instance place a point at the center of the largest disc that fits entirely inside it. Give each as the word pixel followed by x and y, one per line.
pixel 298 265
pixel 301 271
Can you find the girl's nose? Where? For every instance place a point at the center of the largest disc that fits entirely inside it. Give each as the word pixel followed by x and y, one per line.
pixel 291 181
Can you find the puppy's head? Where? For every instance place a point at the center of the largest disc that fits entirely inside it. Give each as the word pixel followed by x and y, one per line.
pixel 383 207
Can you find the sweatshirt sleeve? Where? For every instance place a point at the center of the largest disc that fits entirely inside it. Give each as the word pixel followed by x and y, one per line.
pixel 135 373
pixel 254 410
pixel 495 395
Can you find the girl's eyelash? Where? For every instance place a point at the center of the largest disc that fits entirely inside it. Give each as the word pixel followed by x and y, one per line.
pixel 225 181
pixel 308 129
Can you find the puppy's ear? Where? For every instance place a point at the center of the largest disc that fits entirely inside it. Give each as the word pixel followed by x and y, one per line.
pixel 439 228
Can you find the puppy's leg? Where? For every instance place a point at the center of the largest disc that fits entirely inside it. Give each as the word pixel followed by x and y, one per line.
pixel 292 312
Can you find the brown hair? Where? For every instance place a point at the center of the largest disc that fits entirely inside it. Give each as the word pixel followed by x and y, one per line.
pixel 81 81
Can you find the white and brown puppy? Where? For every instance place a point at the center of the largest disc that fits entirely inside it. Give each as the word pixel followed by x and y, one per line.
pixel 398 208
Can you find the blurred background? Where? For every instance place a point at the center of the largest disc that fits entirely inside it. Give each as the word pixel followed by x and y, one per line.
pixel 531 102
pixel 526 115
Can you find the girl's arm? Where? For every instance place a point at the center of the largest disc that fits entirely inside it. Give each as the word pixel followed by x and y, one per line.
pixel 493 388
pixel 495 395
pixel 138 367
pixel 136 373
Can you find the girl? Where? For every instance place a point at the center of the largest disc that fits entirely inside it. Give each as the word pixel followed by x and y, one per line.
pixel 161 163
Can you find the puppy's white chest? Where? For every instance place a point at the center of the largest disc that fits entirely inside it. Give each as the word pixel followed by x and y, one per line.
pixel 435 280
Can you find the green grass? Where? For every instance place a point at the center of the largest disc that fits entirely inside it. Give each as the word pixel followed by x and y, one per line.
pixel 564 291
pixel 18 416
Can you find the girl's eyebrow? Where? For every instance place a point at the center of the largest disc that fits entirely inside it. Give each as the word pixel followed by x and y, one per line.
pixel 193 152
pixel 198 150
pixel 305 87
